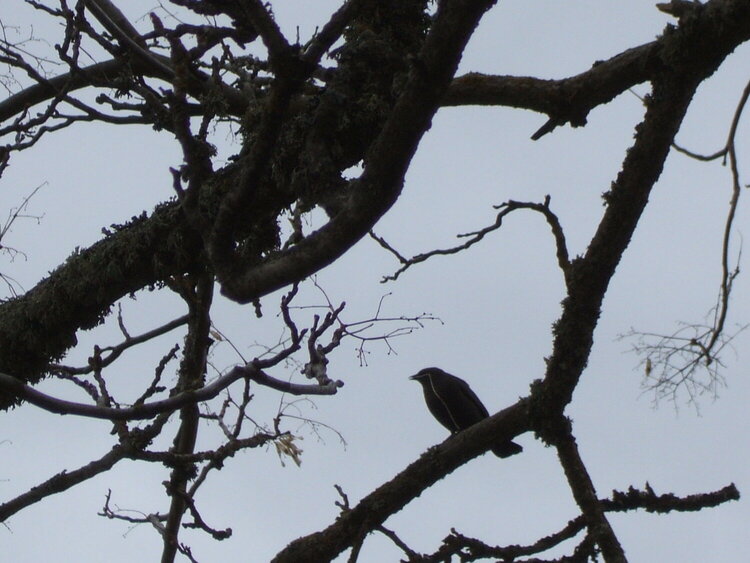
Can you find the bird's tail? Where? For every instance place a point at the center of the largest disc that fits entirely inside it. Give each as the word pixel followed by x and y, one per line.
pixel 507 449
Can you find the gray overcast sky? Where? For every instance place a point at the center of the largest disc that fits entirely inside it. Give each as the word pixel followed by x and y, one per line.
pixel 496 302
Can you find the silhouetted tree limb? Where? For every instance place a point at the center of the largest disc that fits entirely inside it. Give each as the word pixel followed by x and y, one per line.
pixel 301 127
pixel 116 351
pixel 150 410
pixel 63 481
pixel 192 374
pixel 392 496
pixel 567 100
pixel 472 549
pixel 140 269
pixel 476 236
pixel 589 275
pixel 129 443
pixel 585 495
pixel 673 362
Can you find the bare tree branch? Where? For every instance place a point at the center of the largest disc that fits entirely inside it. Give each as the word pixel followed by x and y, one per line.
pixel 301 126
pixel 191 375
pixel 585 496
pixel 476 236
pixel 675 359
pixel 565 101
pixel 150 410
pixel 116 351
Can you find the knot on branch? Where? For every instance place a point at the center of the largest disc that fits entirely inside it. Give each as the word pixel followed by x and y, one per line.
pixel 546 418
pixel 317 368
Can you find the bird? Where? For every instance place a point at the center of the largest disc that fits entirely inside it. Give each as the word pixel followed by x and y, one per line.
pixel 454 405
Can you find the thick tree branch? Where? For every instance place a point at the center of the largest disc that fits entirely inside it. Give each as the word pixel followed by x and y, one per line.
pixel 115 22
pixel 568 100
pixel 384 166
pixel 724 25
pixel 331 31
pixel 279 50
pixel 389 498
pixel 38 327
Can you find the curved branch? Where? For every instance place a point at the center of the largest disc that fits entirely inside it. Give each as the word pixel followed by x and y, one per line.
pixel 118 25
pixel 98 73
pixel 105 74
pixel 728 275
pixel 476 236
pixel 385 164
pixel 13 386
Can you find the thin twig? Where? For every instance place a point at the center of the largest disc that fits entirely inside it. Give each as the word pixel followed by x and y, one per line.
pixel 476 236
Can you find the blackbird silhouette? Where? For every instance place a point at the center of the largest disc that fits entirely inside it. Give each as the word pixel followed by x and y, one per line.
pixel 454 405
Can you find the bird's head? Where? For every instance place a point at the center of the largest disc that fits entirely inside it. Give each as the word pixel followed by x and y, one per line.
pixel 424 374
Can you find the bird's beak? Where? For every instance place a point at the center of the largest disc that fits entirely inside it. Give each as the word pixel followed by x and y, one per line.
pixel 413 376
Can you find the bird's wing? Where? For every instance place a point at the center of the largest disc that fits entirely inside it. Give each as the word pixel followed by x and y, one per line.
pixel 472 398
pixel 441 404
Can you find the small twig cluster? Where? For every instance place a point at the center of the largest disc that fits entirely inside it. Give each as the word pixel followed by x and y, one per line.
pixel 674 362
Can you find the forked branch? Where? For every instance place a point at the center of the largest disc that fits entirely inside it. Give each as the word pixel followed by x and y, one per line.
pixel 474 237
